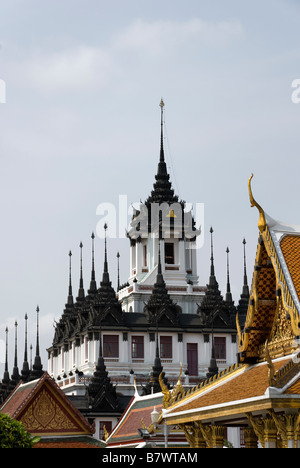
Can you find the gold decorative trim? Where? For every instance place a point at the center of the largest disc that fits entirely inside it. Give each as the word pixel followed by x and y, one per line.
pixel 262 220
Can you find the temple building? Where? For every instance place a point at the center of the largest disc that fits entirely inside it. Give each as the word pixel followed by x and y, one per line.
pixel 116 347
pixel 256 401
pixel 161 312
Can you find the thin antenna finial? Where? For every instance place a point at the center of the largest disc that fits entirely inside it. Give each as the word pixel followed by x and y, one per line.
pixel 162 105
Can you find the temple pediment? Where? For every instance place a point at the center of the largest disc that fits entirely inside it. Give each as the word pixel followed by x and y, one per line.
pixel 45 410
pixel 273 311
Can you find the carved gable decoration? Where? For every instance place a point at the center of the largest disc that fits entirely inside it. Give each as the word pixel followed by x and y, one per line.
pixel 44 409
pixel 47 414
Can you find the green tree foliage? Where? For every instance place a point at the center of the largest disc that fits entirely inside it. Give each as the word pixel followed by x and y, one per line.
pixel 13 434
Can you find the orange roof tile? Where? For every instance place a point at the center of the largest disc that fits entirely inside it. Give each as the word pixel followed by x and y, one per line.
pixel 247 382
pixel 295 388
pixel 290 246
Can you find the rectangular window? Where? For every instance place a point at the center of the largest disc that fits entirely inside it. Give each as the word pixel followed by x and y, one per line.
pixel 166 347
pixel 111 346
pixel 192 358
pixel 220 347
pixel 137 350
pixel 242 437
pixel 169 253
pixel 145 255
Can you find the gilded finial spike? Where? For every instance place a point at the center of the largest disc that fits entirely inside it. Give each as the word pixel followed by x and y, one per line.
pixel 262 220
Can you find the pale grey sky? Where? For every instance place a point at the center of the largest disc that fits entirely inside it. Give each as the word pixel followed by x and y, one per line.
pixel 80 127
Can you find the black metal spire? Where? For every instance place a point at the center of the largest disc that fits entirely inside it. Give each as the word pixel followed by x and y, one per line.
pixel 93 284
pixel 118 277
pixel 105 283
pixel 37 349
pixel 153 385
pixel 81 294
pixel 30 357
pixel 37 368
pixel 15 377
pixel 105 306
pixel 162 153
pixel 244 298
pixel 105 269
pixel 100 373
pixel 212 279
pixel 6 379
pixel 160 306
pixel 70 296
pixel 106 293
pixel 245 286
pixel 159 276
pixel 25 369
pixel 162 188
pixel 213 367
pixel 228 296
pixel 102 393
pixel 213 307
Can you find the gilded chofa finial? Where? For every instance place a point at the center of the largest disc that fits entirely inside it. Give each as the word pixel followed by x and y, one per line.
pixel 262 220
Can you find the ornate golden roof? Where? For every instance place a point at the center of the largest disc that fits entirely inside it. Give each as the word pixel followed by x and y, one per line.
pixel 273 311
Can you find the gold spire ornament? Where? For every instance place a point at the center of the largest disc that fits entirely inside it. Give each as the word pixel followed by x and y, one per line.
pixel 262 220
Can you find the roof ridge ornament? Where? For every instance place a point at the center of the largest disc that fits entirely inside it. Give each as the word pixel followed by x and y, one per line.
pixel 262 220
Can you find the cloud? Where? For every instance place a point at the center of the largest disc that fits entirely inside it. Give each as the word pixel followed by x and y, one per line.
pixel 71 69
pixel 156 37
pixel 85 67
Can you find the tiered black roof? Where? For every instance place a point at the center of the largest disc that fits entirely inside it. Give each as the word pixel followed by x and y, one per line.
pixel 102 393
pixel 160 308
pixel 100 306
pixel 214 312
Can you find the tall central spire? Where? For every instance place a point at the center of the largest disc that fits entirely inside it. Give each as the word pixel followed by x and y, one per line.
pixel 162 188
pixel 162 154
